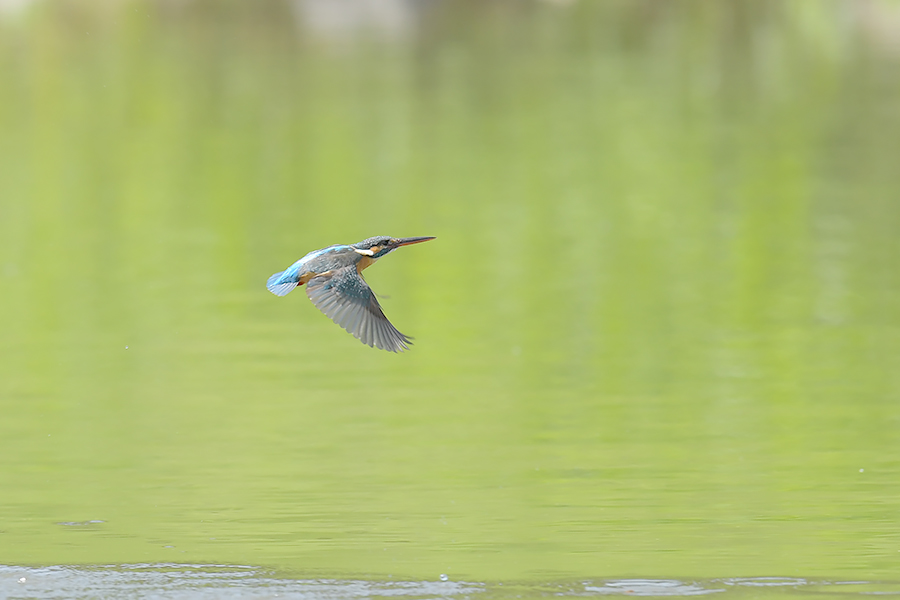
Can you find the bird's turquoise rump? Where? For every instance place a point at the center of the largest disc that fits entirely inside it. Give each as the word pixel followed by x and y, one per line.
pixel 337 288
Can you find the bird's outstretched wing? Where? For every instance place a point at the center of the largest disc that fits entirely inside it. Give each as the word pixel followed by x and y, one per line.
pixel 348 300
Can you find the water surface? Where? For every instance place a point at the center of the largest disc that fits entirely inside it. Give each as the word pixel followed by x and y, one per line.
pixel 236 581
pixel 656 338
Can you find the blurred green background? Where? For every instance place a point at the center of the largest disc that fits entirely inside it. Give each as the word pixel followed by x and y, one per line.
pixel 658 334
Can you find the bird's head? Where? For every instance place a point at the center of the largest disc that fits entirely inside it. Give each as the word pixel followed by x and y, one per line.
pixel 378 246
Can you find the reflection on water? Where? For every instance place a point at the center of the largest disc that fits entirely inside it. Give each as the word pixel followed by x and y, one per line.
pixel 176 581
pixel 657 335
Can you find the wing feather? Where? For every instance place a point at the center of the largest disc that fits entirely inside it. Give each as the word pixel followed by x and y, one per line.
pixel 345 297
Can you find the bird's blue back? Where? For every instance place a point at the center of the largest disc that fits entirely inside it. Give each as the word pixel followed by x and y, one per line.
pixel 317 261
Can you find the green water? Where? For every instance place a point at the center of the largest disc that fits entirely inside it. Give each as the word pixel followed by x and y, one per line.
pixel 658 334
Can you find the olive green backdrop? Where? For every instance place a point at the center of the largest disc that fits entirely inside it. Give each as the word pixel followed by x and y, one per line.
pixel 657 334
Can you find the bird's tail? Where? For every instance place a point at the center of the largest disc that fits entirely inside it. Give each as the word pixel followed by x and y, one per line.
pixel 281 283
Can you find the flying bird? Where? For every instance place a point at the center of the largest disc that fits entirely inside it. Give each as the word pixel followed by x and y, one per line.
pixel 334 283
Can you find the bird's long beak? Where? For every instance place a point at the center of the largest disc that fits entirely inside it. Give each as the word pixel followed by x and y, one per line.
pixel 407 241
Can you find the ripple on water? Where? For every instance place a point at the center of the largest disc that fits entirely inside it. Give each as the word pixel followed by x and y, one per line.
pixel 652 587
pixel 176 581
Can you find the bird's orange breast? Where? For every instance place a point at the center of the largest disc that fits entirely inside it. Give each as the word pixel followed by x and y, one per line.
pixel 364 262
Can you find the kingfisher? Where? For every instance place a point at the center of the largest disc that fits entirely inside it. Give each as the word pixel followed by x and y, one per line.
pixel 334 283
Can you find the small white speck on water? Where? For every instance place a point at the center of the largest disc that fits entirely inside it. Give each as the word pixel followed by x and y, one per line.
pixel 444 577
pixel 22 580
